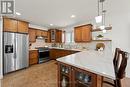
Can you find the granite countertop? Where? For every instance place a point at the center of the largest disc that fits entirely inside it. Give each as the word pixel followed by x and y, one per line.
pixel 68 49
pixel 100 63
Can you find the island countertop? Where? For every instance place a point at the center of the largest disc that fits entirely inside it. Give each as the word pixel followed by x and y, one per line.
pixel 100 63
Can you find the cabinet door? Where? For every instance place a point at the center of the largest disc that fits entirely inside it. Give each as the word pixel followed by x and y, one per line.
pixel 53 54
pixel 44 33
pixel 83 78
pixel 38 33
pixel 78 34
pixel 86 34
pixel 22 27
pixel 32 35
pixel 48 40
pixel 10 25
pixel 33 57
pixel 64 75
pixel 58 36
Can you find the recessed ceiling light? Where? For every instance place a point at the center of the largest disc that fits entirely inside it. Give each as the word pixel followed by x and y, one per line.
pixel 17 13
pixel 73 16
pixel 51 24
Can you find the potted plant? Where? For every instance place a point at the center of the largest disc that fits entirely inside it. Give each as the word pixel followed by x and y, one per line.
pixel 99 36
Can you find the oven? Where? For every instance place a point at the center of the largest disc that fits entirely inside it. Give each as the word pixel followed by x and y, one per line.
pixel 43 54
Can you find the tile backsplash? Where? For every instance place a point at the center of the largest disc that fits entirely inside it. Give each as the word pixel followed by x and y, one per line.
pixel 90 45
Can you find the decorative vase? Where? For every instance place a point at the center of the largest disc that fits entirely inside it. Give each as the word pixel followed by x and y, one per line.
pixel 63 82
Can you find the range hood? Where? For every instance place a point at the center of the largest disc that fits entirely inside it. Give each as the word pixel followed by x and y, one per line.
pixel 40 37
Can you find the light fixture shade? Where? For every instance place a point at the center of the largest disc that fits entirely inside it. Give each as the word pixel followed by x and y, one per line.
pixel 98 19
pixel 102 27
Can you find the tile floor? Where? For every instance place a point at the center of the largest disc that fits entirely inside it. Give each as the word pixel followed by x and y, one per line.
pixel 40 75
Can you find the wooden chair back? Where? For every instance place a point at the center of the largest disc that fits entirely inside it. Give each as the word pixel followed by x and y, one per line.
pixel 121 64
pixel 115 60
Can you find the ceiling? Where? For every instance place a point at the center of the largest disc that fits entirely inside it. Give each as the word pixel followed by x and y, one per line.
pixel 57 12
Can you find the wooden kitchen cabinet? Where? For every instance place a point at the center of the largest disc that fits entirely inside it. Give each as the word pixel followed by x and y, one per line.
pixel 48 39
pixel 44 33
pixel 33 57
pixel 64 74
pixel 38 32
pixel 71 76
pixel 59 36
pixel 78 34
pixel 83 33
pixel 10 25
pixel 55 36
pixel 57 53
pixel 32 35
pixel 14 25
pixel 22 26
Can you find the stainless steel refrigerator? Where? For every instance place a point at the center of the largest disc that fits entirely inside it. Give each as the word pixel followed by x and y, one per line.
pixel 15 51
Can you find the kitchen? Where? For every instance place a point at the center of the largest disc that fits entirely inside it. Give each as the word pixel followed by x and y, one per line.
pixel 50 45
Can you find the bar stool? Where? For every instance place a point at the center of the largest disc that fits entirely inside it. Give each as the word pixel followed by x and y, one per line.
pixel 120 63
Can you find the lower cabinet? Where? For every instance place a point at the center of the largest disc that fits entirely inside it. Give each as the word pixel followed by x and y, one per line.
pixel 33 57
pixel 57 53
pixel 69 76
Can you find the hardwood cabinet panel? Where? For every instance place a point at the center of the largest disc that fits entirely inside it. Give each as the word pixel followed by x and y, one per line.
pixel 55 36
pixel 10 25
pixel 56 53
pixel 22 27
pixel 76 77
pixel 83 33
pixel 32 35
pixel 48 39
pixel 78 34
pixel 33 57
pixel 86 34
pixel 38 33
pixel 59 36
pixel 44 33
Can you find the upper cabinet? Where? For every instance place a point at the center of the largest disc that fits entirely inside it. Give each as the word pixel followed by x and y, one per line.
pixel 22 27
pixel 38 33
pixel 83 33
pixel 32 35
pixel 10 25
pixel 13 25
pixel 44 33
pixel 59 36
pixel 55 36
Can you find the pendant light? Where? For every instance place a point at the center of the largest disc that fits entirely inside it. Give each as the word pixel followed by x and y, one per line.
pixel 102 27
pixel 99 17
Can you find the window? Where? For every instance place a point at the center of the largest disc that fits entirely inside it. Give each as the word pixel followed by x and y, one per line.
pixel 69 37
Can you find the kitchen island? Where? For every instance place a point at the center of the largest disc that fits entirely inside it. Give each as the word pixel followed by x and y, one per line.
pixel 85 69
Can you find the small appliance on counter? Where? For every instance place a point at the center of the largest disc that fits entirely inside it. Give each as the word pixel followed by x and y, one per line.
pixel 43 54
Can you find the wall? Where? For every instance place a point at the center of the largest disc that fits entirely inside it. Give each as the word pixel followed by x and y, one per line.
pixel 37 27
pixel 1 67
pixel 118 15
